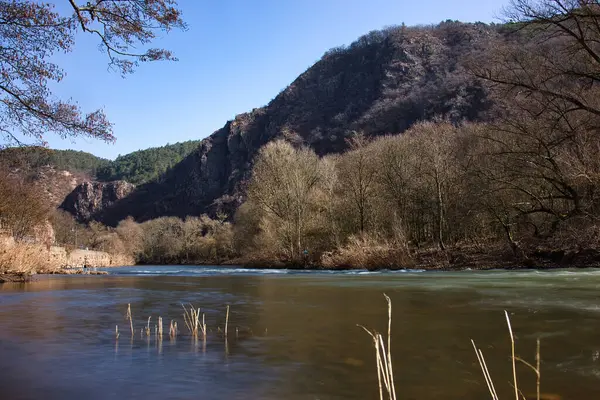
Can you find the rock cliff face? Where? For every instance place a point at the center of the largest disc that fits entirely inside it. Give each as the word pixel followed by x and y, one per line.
pixel 90 198
pixel 381 84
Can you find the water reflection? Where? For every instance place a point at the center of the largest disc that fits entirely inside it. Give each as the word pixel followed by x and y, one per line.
pixel 295 336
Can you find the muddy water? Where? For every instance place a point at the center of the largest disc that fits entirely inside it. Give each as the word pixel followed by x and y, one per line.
pixel 296 334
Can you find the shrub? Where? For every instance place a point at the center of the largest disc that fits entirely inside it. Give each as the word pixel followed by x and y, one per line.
pixel 368 251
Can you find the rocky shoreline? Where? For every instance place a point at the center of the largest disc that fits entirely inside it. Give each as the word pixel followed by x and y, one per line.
pixel 18 277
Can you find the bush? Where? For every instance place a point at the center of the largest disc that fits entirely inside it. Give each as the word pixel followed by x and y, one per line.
pixel 25 258
pixel 370 252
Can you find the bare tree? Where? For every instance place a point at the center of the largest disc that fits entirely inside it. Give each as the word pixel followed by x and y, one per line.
pixel 31 33
pixel 357 180
pixel 284 186
pixel 21 208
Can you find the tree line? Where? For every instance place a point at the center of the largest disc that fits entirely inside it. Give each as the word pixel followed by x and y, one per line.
pixel 526 183
pixel 521 186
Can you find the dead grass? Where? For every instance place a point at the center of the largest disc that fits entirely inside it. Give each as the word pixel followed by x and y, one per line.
pixel 383 357
pixel 385 374
pixel 25 258
pixel 370 252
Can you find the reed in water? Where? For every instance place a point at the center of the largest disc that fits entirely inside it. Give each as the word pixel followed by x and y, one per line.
pixel 130 318
pixel 191 318
pixel 385 372
pixel 536 369
pixel 383 356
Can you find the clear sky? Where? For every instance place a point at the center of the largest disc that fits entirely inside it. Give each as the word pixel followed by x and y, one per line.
pixel 236 55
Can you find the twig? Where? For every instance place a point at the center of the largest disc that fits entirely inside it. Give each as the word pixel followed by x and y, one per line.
pixel 538 371
pixel 535 369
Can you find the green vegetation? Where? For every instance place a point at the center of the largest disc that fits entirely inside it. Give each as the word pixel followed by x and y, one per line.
pixel 145 165
pixel 138 167
pixel 31 158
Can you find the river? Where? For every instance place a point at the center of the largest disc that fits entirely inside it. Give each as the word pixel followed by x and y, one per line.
pixel 296 334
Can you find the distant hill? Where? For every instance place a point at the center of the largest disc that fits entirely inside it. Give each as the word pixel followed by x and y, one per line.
pixel 144 165
pixel 58 172
pixel 54 173
pixel 381 84
pixel 33 158
pixel 138 167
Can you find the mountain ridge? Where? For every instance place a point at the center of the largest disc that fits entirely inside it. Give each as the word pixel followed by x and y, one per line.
pixel 380 84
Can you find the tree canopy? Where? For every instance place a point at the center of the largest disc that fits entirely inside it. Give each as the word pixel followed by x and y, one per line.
pixel 34 157
pixel 31 33
pixel 144 165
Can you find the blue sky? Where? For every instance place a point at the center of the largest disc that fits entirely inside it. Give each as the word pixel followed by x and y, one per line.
pixel 236 55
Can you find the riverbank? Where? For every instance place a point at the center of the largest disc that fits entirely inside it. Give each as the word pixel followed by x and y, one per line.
pixel 453 258
pixel 25 277
pixel 21 262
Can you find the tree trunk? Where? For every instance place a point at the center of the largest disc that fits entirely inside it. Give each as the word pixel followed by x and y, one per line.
pixel 440 205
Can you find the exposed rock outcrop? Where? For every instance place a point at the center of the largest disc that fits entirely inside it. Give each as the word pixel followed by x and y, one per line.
pixel 90 198
pixel 381 84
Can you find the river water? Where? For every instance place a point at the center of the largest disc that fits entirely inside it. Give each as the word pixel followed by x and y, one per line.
pixel 296 334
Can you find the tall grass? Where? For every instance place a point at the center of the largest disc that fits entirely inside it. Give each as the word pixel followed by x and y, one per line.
pixel 385 373
pixel 383 357
pixel 370 252
pixel 514 359
pixel 191 317
pixel 25 258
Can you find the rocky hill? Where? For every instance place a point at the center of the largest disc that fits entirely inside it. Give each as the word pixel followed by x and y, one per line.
pixel 381 84
pixel 91 182
pixel 54 173
pixel 90 198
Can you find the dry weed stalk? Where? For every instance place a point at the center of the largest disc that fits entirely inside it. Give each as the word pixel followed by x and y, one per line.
pixel 485 371
pixel 226 320
pixel 173 329
pixel 514 358
pixel 191 318
pixel 148 327
pixel 512 352
pixel 383 358
pixel 129 317
pixel 535 369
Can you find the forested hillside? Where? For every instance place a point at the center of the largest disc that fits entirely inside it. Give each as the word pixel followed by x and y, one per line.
pixel 144 165
pixel 33 158
pixel 137 167
pixel 381 84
